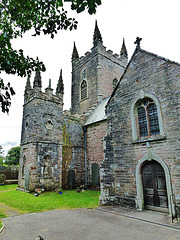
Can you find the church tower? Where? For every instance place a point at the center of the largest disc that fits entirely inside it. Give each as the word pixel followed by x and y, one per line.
pixel 95 74
pixel 41 136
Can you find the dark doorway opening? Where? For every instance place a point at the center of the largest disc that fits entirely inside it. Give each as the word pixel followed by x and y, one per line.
pixel 154 186
pixel 95 174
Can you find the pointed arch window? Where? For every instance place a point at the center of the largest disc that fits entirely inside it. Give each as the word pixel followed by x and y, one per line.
pixel 83 90
pixel 148 124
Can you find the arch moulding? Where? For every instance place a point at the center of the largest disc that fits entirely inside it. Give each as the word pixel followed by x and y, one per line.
pixel 140 95
pixel 139 184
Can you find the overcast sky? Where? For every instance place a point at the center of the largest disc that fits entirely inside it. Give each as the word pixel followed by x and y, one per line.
pixel 155 21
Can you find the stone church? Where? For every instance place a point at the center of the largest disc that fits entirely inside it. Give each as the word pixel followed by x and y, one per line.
pixel 122 132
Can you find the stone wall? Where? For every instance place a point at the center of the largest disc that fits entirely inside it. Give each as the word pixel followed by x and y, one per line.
pixel 42 118
pixel 95 154
pixel 146 76
pixel 42 165
pixel 74 127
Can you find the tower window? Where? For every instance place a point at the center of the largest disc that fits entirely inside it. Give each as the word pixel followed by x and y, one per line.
pixel 83 90
pixel 148 123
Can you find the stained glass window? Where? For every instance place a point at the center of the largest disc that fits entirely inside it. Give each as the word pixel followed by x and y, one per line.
pixel 143 130
pixel 147 118
pixel 153 119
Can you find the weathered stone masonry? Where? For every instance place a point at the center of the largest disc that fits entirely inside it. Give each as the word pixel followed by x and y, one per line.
pixel 74 127
pixel 147 76
pixel 41 139
pixel 95 137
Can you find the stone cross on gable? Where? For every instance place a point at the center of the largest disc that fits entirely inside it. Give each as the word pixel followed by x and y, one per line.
pixel 137 42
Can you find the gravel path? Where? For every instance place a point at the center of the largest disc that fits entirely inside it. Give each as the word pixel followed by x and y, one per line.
pixel 83 224
pixel 9 211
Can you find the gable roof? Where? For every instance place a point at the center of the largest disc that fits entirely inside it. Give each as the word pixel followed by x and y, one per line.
pixel 135 52
pixel 98 114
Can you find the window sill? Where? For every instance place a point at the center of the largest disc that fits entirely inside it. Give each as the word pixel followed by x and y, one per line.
pixel 150 139
pixel 82 100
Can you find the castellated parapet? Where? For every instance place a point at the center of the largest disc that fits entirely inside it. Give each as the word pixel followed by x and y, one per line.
pixel 41 137
pixel 101 50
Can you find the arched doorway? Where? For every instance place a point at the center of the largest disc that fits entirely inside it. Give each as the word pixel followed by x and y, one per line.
pixel 149 157
pixel 154 186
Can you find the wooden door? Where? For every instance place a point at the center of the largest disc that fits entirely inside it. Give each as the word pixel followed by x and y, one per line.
pixel 154 185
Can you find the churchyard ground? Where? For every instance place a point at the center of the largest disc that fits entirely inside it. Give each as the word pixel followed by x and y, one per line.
pixel 13 202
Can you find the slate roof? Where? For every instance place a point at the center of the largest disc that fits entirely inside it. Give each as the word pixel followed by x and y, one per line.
pixel 98 114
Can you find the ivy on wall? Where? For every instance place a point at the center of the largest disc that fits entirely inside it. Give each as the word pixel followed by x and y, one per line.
pixel 66 157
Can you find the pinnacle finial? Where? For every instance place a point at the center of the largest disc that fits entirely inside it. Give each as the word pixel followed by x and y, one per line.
pixel 97 35
pixel 28 85
pixel 75 54
pixel 123 52
pixel 49 89
pixel 49 83
pixel 60 85
pixel 37 80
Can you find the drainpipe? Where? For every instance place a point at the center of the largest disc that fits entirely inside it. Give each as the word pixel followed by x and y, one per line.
pixel 85 148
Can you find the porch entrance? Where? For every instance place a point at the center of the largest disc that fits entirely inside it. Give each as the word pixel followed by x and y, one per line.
pixel 154 187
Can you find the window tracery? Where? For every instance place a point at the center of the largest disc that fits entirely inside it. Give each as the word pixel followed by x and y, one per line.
pixel 148 124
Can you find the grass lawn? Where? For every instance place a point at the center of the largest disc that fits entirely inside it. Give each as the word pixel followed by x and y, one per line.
pixel 27 202
pixel 2 215
pixel 8 187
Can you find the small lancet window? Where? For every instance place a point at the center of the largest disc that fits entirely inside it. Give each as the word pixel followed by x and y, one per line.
pixel 23 166
pixel 83 90
pixel 147 118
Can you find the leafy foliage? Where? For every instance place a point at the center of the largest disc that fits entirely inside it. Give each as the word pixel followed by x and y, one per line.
pixel 80 5
pixel 44 16
pixel 13 156
pixel 1 155
pixel 5 96
pixel 1 160
pixel 1 150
